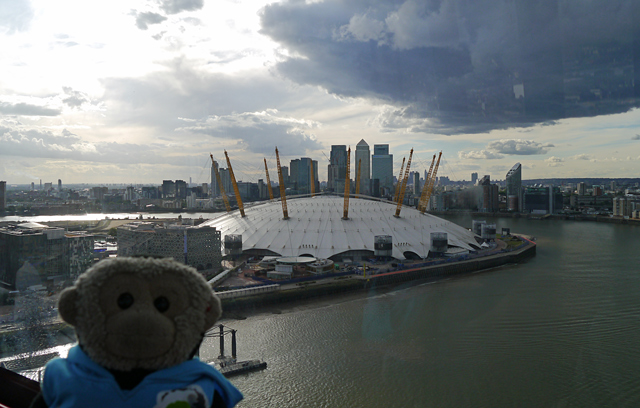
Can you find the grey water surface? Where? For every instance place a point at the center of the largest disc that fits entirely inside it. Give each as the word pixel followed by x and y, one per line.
pixel 560 330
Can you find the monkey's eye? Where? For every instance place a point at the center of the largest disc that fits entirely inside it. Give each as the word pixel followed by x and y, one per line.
pixel 161 303
pixel 125 300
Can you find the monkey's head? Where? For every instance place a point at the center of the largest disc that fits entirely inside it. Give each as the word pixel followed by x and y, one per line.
pixel 139 312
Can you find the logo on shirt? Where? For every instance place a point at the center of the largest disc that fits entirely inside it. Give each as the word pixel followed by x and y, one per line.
pixel 189 397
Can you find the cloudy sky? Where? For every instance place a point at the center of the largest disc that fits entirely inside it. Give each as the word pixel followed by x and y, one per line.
pixel 138 91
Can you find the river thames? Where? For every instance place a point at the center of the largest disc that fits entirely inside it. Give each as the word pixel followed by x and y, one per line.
pixel 561 330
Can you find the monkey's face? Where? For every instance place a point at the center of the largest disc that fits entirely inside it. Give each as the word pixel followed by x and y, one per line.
pixel 140 315
pixel 139 312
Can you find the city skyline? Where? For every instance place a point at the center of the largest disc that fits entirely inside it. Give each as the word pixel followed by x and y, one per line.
pixel 83 102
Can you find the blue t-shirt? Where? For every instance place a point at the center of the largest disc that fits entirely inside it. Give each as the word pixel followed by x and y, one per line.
pixel 76 381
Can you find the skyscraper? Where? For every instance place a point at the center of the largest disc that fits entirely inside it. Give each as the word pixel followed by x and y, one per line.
pixel 474 178
pixel 514 188
pixel 215 188
pixel 382 167
pixel 363 156
pixel 293 173
pixel 304 174
pixel 59 185
pixel 3 195
pixel 225 179
pixel 337 169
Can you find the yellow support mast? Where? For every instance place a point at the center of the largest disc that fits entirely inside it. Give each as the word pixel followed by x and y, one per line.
pixel 395 197
pixel 266 170
pixel 235 185
pixel 312 182
pixel 358 178
pixel 431 184
pixel 283 197
pixel 425 188
pixel 222 192
pixel 404 185
pixel 347 186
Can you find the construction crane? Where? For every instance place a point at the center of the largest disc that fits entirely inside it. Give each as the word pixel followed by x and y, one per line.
pixel 283 197
pixel 235 185
pixel 395 197
pixel 425 188
pixel 266 170
pixel 358 178
pixel 222 192
pixel 312 182
pixel 347 186
pixel 431 184
pixel 404 185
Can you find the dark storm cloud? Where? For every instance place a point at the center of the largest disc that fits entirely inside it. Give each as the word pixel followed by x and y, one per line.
pixel 25 109
pixel 259 132
pixel 177 6
pixel 144 20
pixel 454 66
pixel 15 15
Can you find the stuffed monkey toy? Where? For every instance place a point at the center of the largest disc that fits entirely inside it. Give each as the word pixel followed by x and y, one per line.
pixel 139 323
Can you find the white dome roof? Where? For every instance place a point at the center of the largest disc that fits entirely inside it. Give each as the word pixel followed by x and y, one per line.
pixel 315 227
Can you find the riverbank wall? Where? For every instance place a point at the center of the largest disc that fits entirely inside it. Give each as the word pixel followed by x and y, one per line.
pixel 552 217
pixel 352 283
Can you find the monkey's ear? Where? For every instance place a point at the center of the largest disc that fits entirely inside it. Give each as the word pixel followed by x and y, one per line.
pixel 67 305
pixel 213 312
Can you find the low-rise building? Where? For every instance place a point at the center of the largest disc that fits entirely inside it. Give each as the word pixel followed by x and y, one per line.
pixel 32 253
pixel 197 247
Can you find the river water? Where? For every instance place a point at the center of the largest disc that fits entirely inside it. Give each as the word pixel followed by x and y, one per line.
pixel 560 330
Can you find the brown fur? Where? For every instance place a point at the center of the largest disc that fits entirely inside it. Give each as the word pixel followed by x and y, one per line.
pixel 139 336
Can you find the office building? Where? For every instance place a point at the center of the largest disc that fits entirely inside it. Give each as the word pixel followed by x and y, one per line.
pixel 181 189
pixel 215 188
pixel 59 185
pixel 304 175
pixel 35 254
pixel 514 188
pixel 3 195
pixel 293 173
pixel 382 168
pixel 199 247
pixel 474 178
pixel 337 168
pixel 416 182
pixel 542 200
pixel 622 206
pixel 582 189
pixel 168 189
pixel 363 156
pixel 225 178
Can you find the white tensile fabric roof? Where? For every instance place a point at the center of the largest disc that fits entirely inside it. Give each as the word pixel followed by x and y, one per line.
pixel 315 227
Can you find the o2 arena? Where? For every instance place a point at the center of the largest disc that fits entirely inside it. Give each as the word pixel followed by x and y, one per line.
pixel 316 228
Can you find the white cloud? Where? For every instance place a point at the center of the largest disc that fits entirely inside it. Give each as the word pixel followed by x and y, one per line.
pixel 554 161
pixel 582 157
pixel 259 132
pixel 518 147
pixel 480 155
